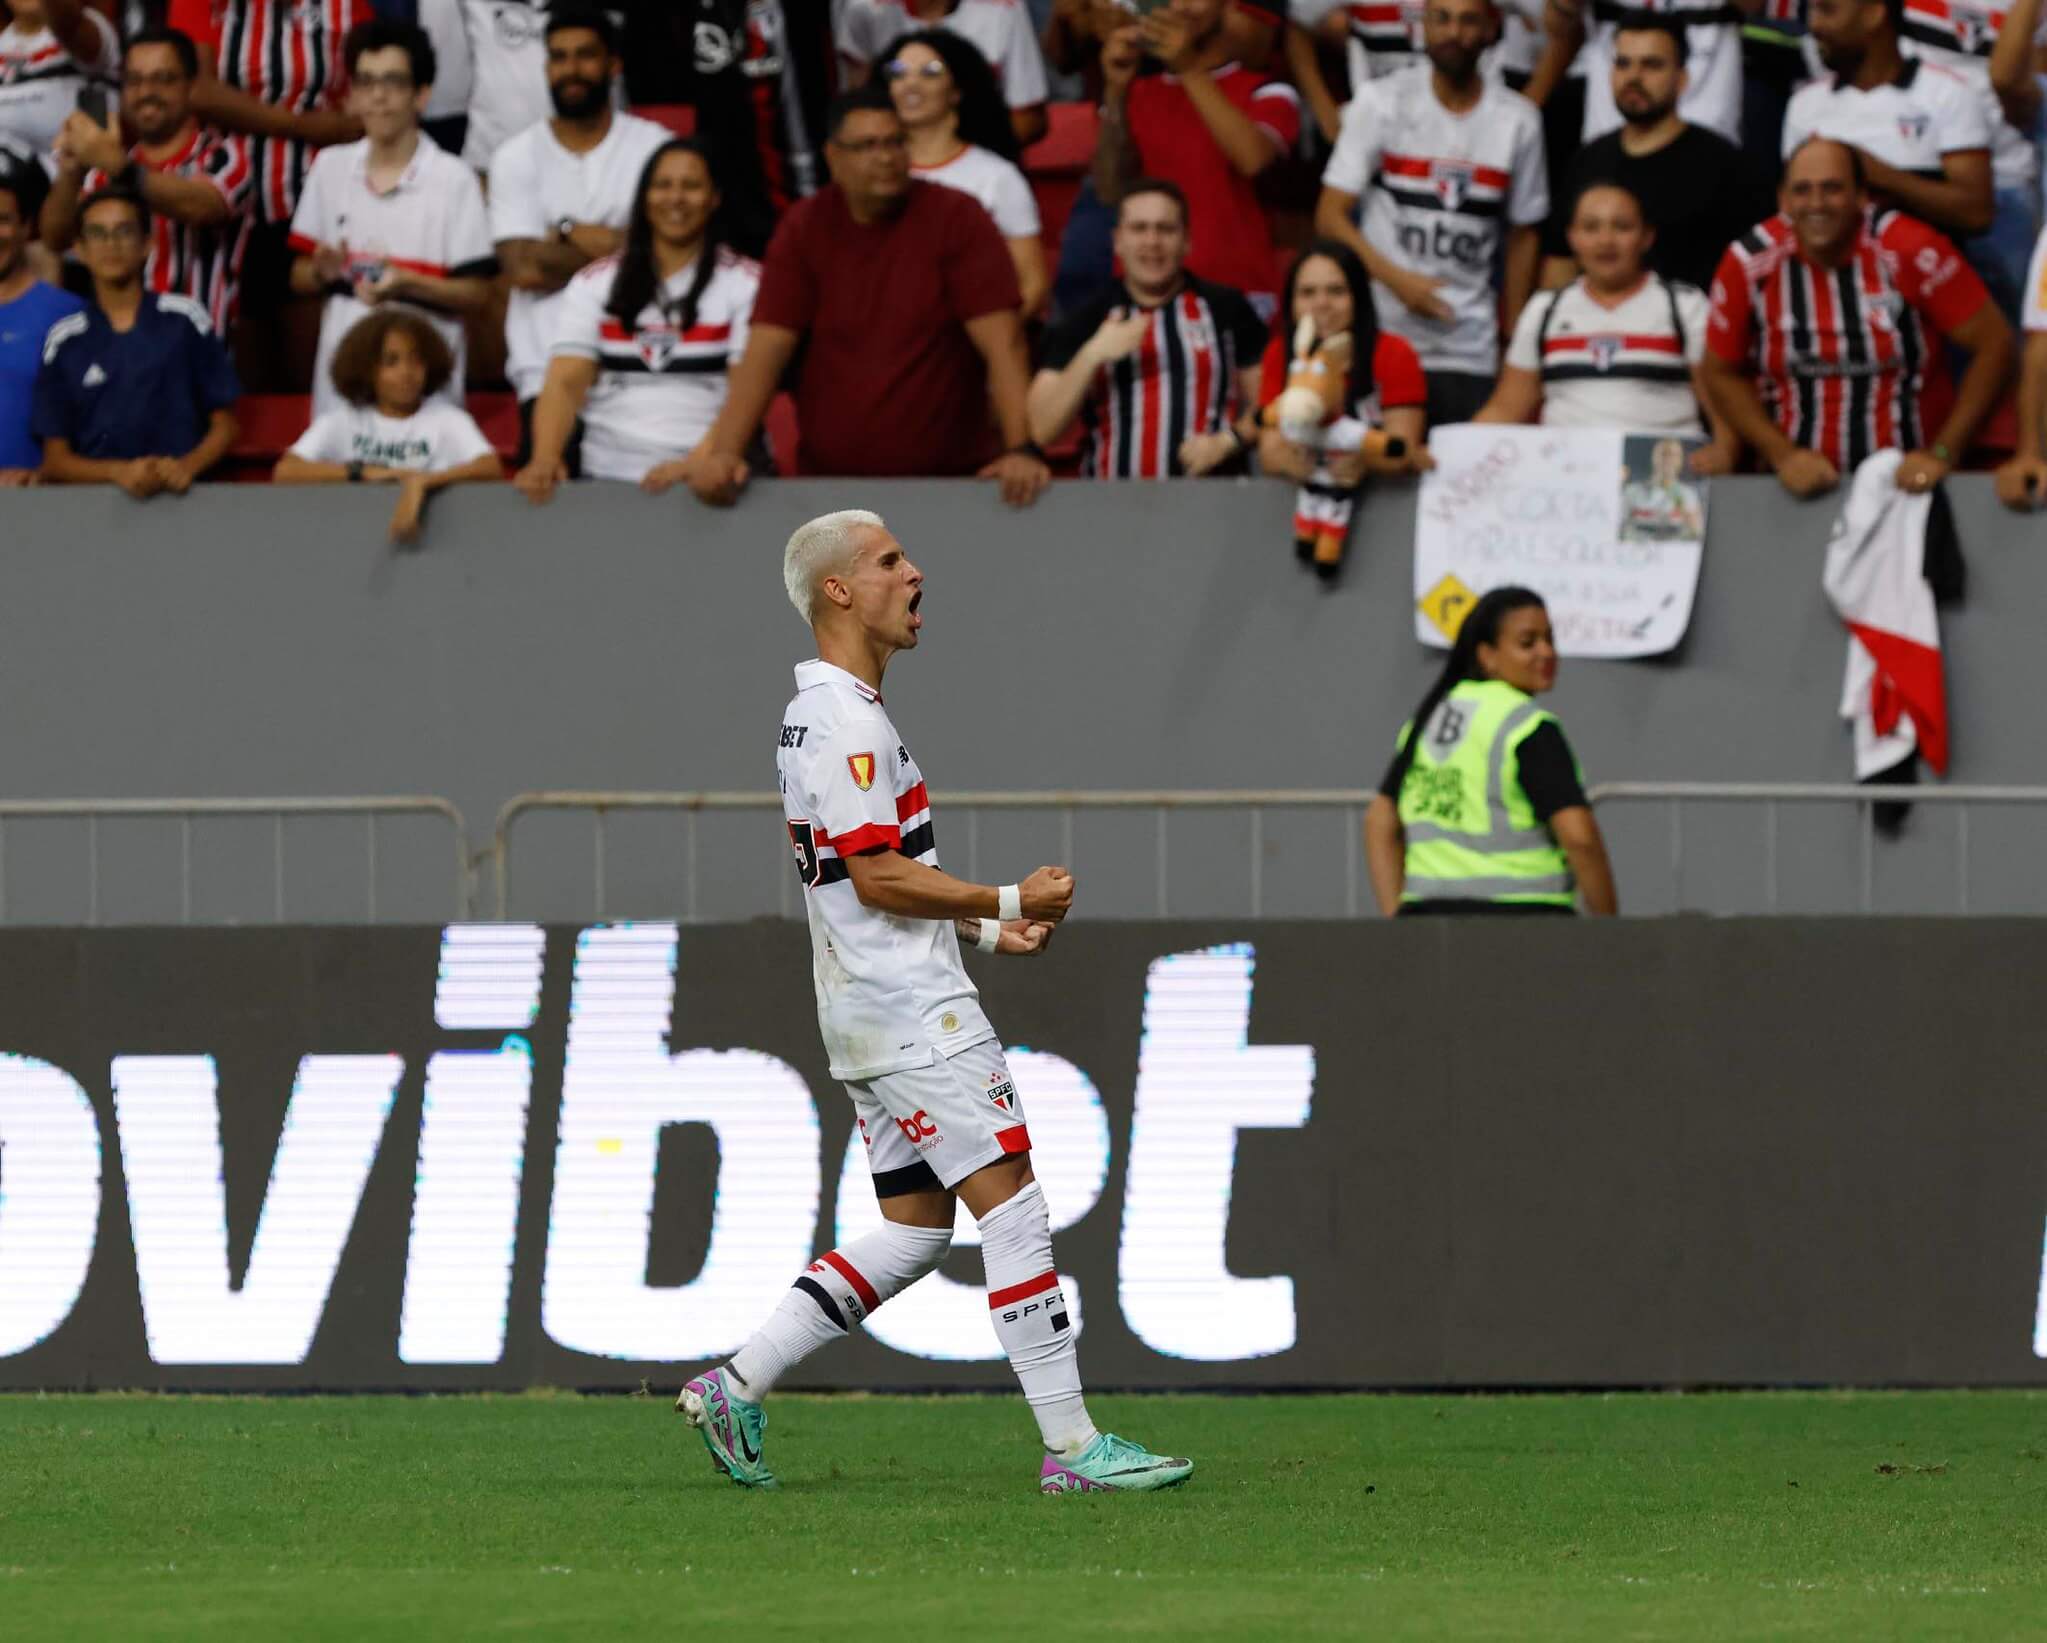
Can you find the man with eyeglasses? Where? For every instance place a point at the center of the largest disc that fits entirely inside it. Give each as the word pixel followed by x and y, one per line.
pixel 394 217
pixel 194 179
pixel 904 300
pixel 136 391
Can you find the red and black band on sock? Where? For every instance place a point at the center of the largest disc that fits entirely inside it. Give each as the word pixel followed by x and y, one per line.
pixel 842 1294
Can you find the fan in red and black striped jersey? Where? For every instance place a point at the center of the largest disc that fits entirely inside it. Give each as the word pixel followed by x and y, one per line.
pixel 1158 366
pixel 274 69
pixel 1824 342
pixel 195 178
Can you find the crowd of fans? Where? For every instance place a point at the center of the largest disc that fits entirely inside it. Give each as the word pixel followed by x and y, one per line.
pixel 1796 231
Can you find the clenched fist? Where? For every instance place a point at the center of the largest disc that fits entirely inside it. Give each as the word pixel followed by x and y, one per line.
pixel 1047 895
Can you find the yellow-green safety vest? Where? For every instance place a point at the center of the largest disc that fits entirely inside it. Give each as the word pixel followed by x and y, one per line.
pixel 1472 834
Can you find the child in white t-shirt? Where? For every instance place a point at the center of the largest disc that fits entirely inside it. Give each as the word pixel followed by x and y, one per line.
pixel 393 430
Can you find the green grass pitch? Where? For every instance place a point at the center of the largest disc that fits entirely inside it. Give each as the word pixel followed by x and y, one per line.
pixel 1789 1515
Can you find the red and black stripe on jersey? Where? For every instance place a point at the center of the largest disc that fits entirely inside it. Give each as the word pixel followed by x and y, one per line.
pixel 661 350
pixel 1954 28
pixel 1457 186
pixel 1637 356
pixel 912 836
pixel 1841 353
pixel 1181 382
pixel 287 53
pixel 200 261
pixel 1384 28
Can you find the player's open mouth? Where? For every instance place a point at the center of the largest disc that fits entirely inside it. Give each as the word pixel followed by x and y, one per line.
pixel 916 621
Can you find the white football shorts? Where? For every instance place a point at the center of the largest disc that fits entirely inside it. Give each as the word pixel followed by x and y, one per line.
pixel 934 1126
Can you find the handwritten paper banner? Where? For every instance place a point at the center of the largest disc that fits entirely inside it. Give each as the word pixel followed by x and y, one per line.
pixel 1607 526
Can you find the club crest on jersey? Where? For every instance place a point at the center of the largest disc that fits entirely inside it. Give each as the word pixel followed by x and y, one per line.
pixel 656 346
pixel 1451 181
pixel 862 766
pixel 1604 351
pixel 1970 32
pixel 1913 127
pixel 1002 1092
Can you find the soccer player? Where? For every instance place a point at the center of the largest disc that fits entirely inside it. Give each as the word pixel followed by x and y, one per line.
pixel 1662 508
pixel 937 1109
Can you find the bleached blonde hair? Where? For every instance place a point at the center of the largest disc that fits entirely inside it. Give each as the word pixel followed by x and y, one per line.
pixel 824 545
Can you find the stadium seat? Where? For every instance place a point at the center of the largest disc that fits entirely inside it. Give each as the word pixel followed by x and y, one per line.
pixel 680 118
pixel 1057 164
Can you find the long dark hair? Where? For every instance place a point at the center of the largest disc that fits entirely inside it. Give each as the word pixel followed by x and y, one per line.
pixel 983 115
pixel 1481 627
pixel 638 280
pixel 1364 313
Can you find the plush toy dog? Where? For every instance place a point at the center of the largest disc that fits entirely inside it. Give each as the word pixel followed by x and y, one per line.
pixel 1310 411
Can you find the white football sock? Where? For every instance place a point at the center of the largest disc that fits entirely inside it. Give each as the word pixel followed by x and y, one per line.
pixel 1028 1309
pixel 836 1291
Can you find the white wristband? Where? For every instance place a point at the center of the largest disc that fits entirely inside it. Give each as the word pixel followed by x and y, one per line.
pixel 1009 904
pixel 991 934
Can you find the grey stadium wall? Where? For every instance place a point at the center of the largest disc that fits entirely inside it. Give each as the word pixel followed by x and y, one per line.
pixel 1670 1152
pixel 251 640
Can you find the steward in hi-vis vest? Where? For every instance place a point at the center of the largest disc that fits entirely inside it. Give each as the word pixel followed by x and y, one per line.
pixel 1483 808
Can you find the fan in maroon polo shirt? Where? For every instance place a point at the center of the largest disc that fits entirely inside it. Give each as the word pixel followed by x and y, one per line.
pixel 904 300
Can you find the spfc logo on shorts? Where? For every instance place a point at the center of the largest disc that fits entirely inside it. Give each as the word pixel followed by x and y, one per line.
pixel 655 346
pixel 1913 127
pixel 862 766
pixel 1002 1092
pixel 1452 183
pixel 1604 351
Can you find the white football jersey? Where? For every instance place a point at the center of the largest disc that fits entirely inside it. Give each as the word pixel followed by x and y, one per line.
pixel 1440 191
pixel 534 184
pixel 1925 113
pixel 662 384
pixel 1960 35
pixel 1383 37
pixel 40 80
pixel 1001 30
pixel 1629 366
pixel 998 185
pixel 891 992
pixel 436 436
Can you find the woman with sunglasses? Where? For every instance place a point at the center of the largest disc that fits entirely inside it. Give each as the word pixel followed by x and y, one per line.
pixel 960 138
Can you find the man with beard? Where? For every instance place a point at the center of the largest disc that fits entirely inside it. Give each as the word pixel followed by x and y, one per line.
pixel 561 193
pixel 1825 332
pixel 196 180
pixel 1207 124
pixel 1696 188
pixel 1922 132
pixel 1713 90
pixel 1454 168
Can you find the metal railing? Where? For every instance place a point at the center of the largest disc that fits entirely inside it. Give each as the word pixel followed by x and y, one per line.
pixel 1348 803
pixel 1162 801
pixel 1773 796
pixel 186 811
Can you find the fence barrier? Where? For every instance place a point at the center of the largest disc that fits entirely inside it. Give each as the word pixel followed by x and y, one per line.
pixel 185 811
pixel 1772 796
pixel 1349 804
